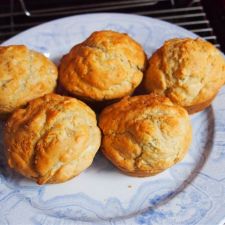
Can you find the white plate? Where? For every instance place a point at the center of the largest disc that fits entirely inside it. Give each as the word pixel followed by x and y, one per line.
pixel 192 192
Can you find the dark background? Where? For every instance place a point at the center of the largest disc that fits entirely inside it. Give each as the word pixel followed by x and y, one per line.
pixel 215 11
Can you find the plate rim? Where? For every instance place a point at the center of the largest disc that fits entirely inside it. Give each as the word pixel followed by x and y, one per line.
pixel 82 16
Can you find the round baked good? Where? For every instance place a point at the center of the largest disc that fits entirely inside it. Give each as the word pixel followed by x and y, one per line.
pixel 188 71
pixel 144 135
pixel 24 75
pixel 108 65
pixel 53 139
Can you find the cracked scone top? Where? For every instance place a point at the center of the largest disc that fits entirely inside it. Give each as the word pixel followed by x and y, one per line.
pixel 145 135
pixel 53 139
pixel 24 75
pixel 107 65
pixel 188 71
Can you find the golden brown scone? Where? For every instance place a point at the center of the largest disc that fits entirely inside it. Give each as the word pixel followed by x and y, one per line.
pixel 144 135
pixel 108 65
pixel 53 139
pixel 188 71
pixel 24 75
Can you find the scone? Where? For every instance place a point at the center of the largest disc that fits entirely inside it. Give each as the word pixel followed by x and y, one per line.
pixel 53 139
pixel 24 75
pixel 188 71
pixel 144 135
pixel 107 65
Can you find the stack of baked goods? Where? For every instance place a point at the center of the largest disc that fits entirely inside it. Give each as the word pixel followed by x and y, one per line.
pixel 51 138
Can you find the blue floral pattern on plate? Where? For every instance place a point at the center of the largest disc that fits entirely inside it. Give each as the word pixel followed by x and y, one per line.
pixel 191 192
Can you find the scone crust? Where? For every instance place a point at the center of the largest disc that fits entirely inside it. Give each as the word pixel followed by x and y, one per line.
pixel 145 135
pixel 107 65
pixel 53 139
pixel 188 71
pixel 24 75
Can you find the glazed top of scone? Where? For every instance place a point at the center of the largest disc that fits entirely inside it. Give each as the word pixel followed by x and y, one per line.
pixel 53 138
pixel 188 71
pixel 107 65
pixel 24 75
pixel 145 134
